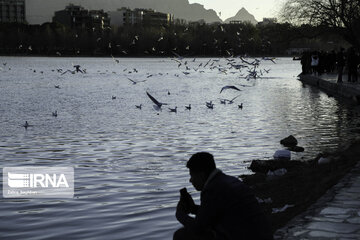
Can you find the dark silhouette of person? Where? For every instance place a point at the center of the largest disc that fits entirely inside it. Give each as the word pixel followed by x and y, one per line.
pixel 315 63
pixel 352 63
pixel 340 61
pixel 331 62
pixel 228 209
pixel 305 62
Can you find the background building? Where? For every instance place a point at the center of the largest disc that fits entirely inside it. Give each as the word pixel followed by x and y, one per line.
pixel 268 21
pixel 126 17
pixel 153 18
pixel 99 20
pixel 77 17
pixel 12 11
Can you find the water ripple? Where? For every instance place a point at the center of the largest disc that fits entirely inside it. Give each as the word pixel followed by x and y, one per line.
pixel 130 163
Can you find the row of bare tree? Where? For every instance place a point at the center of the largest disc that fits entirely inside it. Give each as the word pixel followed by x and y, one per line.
pixel 341 15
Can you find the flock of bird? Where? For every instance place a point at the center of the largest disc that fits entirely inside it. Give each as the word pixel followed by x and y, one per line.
pixel 234 65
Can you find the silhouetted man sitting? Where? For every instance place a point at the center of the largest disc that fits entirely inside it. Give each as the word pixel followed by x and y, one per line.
pixel 228 208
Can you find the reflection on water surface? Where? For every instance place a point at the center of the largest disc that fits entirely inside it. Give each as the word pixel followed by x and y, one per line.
pixel 130 163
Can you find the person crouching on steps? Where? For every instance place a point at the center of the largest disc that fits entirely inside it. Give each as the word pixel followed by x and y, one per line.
pixel 228 209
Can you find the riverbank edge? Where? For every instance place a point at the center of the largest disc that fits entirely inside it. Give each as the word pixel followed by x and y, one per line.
pixel 125 56
pixel 287 196
pixel 344 90
pixel 283 198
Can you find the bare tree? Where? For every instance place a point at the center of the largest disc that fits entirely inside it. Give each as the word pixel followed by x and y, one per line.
pixel 343 15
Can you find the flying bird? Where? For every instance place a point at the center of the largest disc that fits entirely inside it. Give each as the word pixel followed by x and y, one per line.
pixel 229 87
pixel 269 59
pixel 73 72
pixel 157 103
pixel 77 68
pixel 116 60
pixel 232 100
pixel 177 55
pixel 135 82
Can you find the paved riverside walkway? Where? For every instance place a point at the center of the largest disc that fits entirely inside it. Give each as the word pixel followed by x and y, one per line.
pixel 336 215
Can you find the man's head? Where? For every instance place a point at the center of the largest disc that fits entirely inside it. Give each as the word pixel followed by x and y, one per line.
pixel 200 165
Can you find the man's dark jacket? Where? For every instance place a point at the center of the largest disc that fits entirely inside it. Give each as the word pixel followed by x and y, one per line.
pixel 229 208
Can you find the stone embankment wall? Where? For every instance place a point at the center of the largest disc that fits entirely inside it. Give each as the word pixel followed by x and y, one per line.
pixel 346 90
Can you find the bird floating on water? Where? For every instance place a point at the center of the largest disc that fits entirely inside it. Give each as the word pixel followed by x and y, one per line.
pixel 26 125
pixel 223 101
pixel 113 97
pixel 210 105
pixel 55 114
pixel 138 106
pixel 240 106
pixel 188 107
pixel 173 109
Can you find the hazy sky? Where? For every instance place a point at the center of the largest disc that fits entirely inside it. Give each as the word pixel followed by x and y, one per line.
pixel 228 8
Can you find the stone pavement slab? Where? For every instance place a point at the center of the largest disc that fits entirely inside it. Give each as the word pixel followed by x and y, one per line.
pixel 336 215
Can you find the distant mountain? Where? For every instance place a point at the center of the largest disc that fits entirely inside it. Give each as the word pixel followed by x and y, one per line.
pixel 242 15
pixel 181 9
pixel 40 11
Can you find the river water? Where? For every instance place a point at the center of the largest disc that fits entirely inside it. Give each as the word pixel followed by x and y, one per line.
pixel 130 163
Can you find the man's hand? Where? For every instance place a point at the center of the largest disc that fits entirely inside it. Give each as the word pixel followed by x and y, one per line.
pixel 183 206
pixel 182 211
pixel 188 202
